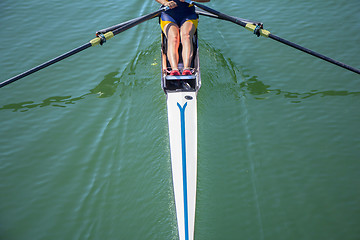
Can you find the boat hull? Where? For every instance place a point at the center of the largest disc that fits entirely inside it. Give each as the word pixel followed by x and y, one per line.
pixel 182 120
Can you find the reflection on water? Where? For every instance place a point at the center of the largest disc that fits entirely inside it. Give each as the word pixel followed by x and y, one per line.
pixel 56 101
pixel 223 69
pixel 262 91
pixel 107 87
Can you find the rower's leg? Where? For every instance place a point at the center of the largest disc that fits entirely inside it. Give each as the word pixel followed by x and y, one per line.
pixel 187 32
pixel 173 39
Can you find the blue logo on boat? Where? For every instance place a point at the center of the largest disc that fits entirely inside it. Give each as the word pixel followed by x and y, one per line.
pixel 183 147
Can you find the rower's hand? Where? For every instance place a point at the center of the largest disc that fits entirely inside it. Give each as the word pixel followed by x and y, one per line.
pixel 170 4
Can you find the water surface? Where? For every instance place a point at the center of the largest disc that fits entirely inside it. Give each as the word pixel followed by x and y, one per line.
pixel 84 144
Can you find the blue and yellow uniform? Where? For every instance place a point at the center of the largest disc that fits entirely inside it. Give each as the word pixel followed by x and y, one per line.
pixel 182 13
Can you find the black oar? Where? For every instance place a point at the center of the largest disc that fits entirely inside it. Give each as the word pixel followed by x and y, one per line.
pixel 112 28
pixel 100 39
pixel 207 14
pixel 257 29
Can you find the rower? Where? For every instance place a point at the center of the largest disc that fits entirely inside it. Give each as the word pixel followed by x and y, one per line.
pixel 179 25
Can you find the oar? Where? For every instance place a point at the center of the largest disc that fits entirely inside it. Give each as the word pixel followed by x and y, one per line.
pixel 112 28
pixel 100 39
pixel 257 29
pixel 207 14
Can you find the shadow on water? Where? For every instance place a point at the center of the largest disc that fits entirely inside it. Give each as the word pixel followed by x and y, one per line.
pixel 105 88
pixel 222 71
pixel 262 91
pixel 242 83
pixel 116 82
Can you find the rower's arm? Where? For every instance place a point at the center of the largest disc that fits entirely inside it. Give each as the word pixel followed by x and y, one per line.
pixel 162 2
pixel 170 4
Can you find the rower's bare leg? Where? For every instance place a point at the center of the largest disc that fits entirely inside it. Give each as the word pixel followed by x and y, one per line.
pixel 187 32
pixel 173 38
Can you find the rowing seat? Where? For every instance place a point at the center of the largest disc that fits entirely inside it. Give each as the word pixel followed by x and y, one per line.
pixel 183 78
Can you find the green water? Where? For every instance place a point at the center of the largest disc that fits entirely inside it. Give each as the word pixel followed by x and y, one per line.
pixel 84 144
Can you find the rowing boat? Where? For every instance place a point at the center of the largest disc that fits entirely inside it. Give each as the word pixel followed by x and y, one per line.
pixel 181 92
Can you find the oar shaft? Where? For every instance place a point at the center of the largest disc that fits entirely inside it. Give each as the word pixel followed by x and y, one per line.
pixel 207 14
pixel 143 19
pixel 308 51
pixel 46 64
pixel 219 14
pixel 112 28
pixel 116 29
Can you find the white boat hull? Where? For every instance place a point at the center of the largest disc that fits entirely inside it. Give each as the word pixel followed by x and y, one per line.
pixel 182 119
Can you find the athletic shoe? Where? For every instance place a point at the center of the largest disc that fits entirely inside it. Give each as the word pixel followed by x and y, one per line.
pixel 174 73
pixel 187 72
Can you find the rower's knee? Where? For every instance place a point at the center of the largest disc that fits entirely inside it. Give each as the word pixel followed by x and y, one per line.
pixel 174 40
pixel 185 36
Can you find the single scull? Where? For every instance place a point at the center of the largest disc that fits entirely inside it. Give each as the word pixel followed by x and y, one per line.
pixel 181 92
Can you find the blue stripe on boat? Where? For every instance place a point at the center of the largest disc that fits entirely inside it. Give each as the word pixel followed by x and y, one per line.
pixel 183 146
